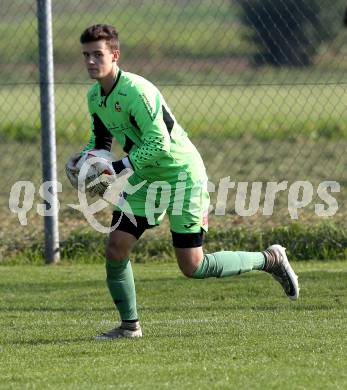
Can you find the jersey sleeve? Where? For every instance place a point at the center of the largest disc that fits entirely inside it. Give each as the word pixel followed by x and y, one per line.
pixel 100 137
pixel 148 113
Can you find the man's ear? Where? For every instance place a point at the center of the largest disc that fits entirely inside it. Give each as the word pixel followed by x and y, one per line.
pixel 115 55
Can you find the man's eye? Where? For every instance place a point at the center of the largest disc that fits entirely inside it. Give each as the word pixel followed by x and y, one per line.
pixel 98 55
pixel 85 55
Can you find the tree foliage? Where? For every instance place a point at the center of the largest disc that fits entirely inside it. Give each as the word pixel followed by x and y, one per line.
pixel 289 32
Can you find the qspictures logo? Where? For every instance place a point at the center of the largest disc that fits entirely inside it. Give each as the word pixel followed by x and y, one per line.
pixel 249 198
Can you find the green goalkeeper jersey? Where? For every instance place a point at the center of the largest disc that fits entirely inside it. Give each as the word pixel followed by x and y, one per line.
pixel 135 113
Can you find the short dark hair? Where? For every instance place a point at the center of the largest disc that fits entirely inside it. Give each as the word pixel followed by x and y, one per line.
pixel 99 32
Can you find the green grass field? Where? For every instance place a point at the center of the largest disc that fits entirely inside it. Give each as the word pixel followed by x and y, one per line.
pixel 234 333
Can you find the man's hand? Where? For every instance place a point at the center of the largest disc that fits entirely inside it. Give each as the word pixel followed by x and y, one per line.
pixel 107 167
pixel 106 175
pixel 110 171
pixel 97 189
pixel 101 165
pixel 106 171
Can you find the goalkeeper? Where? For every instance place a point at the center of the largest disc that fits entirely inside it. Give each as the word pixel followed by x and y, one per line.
pixel 130 109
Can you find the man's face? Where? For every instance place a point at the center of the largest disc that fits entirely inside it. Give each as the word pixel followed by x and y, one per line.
pixel 99 59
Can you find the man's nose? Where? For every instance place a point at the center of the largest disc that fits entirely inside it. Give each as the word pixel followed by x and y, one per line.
pixel 90 60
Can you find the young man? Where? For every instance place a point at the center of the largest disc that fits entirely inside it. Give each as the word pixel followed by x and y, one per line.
pixel 130 109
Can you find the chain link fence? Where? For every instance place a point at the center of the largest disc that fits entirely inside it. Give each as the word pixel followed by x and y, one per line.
pixel 259 85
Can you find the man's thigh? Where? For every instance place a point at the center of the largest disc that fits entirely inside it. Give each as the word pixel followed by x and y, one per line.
pixel 188 213
pixel 144 199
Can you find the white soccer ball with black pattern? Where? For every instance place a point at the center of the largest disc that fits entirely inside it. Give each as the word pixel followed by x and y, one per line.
pixel 89 168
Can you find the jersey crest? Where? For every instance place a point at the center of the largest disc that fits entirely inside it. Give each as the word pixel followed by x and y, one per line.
pixel 117 107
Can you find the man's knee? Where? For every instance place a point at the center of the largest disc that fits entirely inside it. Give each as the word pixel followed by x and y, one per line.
pixel 188 260
pixel 187 269
pixel 117 251
pixel 119 245
pixel 188 250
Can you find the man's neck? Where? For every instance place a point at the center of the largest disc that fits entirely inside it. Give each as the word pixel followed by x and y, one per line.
pixel 108 81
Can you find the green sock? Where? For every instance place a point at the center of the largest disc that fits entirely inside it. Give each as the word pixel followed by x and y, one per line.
pixel 120 282
pixel 227 263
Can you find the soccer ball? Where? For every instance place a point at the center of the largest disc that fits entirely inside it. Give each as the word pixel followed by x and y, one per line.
pixel 96 155
pixel 93 165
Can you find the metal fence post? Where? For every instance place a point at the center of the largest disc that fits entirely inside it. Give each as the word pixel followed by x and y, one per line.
pixel 48 142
